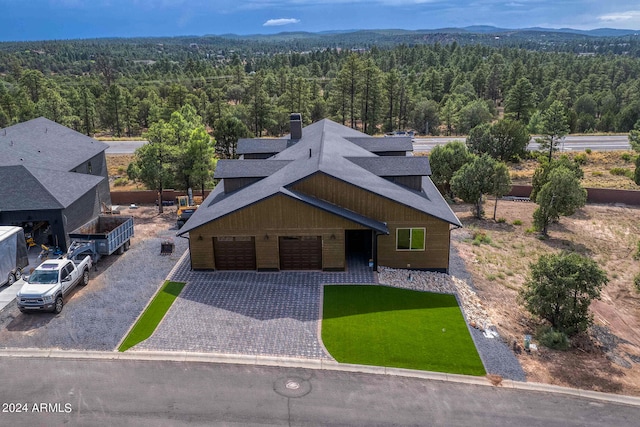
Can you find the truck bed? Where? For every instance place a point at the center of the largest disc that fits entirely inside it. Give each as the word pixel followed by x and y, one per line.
pixel 108 231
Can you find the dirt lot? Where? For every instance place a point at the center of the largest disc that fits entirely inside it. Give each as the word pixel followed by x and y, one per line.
pixel 609 359
pixel 597 168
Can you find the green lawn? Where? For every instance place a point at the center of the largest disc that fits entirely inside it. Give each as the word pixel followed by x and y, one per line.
pixel 152 315
pixel 384 326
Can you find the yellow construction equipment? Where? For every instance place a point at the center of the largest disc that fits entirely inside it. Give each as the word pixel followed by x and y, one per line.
pixel 187 205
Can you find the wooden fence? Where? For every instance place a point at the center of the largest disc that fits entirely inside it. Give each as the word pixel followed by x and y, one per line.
pixel 594 195
pixel 147 197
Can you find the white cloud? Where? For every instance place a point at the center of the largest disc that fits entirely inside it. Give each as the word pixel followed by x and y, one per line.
pixel 628 16
pixel 280 21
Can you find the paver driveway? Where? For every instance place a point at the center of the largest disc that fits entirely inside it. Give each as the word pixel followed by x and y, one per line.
pixel 256 313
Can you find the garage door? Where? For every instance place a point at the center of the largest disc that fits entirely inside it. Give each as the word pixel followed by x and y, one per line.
pixel 235 253
pixel 301 253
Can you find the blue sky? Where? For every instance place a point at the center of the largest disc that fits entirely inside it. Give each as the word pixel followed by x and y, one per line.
pixel 71 19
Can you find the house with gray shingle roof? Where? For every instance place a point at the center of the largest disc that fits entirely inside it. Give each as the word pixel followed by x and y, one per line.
pixel 52 179
pixel 319 201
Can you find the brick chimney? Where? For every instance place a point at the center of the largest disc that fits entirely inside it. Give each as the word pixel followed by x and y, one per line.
pixel 296 125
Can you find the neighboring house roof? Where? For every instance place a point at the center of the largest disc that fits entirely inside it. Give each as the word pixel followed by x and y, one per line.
pixel 394 166
pixel 42 143
pixel 248 168
pixel 324 148
pixel 381 145
pixel 260 145
pixel 24 188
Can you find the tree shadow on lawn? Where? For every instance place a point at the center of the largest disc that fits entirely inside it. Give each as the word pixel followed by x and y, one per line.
pixel 361 299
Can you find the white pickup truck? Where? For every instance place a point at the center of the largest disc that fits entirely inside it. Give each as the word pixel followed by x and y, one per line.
pixel 50 282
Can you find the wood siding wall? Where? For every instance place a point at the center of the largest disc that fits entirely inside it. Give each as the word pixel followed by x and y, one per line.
pixel 436 253
pixel 267 221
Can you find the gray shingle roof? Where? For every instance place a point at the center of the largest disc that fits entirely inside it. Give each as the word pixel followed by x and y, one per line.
pixel 394 166
pixel 324 149
pixel 42 143
pixel 248 168
pixel 23 188
pixel 381 145
pixel 260 145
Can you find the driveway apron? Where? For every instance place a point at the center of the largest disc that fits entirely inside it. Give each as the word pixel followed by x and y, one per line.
pixel 248 312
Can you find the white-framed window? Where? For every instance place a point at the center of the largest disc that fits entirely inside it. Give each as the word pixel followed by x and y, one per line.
pixel 410 239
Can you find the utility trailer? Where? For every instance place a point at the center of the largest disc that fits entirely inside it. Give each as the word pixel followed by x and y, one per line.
pixel 13 254
pixel 104 235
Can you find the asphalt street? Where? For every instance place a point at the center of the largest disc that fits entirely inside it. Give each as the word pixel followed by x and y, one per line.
pixel 158 393
pixel 571 142
pixel 123 147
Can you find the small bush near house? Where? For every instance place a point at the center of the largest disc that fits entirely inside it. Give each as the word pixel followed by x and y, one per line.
pixel 618 171
pixel 626 157
pixel 580 159
pixel 553 339
pixel 501 220
pixel 588 151
pixel 119 182
pixel 517 222
pixel 480 237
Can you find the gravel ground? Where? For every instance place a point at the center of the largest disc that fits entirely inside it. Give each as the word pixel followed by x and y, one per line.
pixel 496 355
pixel 98 316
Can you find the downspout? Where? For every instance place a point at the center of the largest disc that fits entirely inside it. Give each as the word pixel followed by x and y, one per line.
pixel 374 248
pixel 450 247
pixel 190 259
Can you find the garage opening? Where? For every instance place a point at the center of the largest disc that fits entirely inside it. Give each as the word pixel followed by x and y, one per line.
pixel 300 252
pixel 359 247
pixel 235 253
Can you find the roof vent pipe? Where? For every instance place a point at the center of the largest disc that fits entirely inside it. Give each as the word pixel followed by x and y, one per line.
pixel 296 125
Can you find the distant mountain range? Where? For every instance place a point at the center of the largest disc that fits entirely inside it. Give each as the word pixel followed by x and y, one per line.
pixel 598 32
pixel 417 36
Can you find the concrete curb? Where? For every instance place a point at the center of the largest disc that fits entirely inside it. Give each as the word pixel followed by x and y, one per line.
pixel 319 364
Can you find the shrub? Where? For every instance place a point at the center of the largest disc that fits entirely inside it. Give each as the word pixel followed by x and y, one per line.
pixel 480 237
pixel 626 157
pixel 501 220
pixel 553 339
pixel 588 151
pixel 530 230
pixel 596 173
pixel 636 282
pixel 580 159
pixel 119 182
pixel 619 171
pixel 517 222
